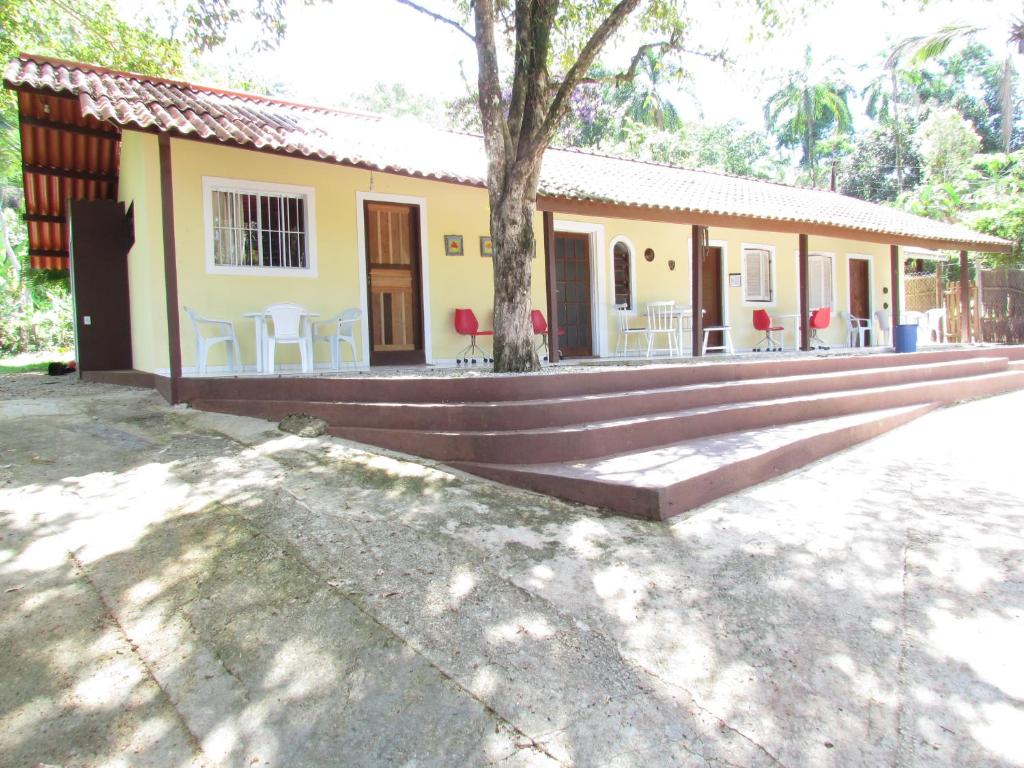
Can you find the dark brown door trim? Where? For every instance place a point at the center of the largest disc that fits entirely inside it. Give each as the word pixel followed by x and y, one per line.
pixel 415 356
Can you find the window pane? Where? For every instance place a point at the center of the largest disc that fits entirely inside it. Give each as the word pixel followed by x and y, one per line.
pixel 620 262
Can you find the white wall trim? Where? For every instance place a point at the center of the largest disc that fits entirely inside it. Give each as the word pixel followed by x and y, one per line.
pixel 211 183
pixel 774 276
pixel 633 304
pixel 421 202
pixel 600 267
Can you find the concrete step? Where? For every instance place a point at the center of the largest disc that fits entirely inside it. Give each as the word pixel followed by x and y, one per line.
pixel 609 437
pixel 662 482
pixel 582 409
pixel 568 381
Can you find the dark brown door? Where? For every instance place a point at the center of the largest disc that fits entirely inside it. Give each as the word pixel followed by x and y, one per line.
pixel 860 300
pixel 101 235
pixel 393 283
pixel 572 271
pixel 711 292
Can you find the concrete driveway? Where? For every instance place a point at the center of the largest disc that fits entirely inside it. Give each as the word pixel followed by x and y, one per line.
pixel 180 588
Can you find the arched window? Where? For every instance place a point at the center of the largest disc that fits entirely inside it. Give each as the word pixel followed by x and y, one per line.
pixel 621 258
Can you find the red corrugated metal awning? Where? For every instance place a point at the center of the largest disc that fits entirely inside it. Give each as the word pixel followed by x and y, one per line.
pixel 65 154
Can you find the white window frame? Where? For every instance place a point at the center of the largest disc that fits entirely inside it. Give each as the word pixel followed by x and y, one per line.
pixel 834 306
pixel 214 183
pixel 632 311
pixel 772 274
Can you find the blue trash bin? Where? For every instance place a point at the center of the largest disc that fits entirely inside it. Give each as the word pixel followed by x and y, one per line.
pixel 905 337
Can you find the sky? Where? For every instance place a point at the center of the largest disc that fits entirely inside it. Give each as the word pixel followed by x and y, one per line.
pixel 337 49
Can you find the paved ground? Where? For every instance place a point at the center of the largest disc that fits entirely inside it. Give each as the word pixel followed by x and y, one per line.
pixel 180 589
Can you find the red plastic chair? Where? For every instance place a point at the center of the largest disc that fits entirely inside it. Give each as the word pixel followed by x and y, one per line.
pixel 466 324
pixel 763 322
pixel 540 327
pixel 820 319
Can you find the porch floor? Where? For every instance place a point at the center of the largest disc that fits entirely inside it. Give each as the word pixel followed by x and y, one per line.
pixel 572 365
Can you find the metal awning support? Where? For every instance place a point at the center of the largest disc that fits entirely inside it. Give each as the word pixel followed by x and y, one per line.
pixel 805 295
pixel 551 281
pixel 965 299
pixel 894 283
pixel 698 245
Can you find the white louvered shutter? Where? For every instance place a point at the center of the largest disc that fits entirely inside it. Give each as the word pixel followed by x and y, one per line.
pixel 758 275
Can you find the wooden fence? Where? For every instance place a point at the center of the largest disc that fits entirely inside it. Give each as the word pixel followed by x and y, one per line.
pixel 922 292
pixel 998 317
pixel 1001 314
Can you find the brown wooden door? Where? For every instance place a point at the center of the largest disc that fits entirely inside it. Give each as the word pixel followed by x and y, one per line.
pixel 572 272
pixel 860 293
pixel 393 283
pixel 711 292
pixel 101 236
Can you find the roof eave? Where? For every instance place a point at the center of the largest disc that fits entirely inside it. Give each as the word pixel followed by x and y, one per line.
pixel 581 207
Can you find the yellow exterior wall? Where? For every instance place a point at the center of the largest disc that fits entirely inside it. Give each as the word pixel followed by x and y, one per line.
pixel 454 281
pixel 140 184
pixel 460 281
pixel 655 281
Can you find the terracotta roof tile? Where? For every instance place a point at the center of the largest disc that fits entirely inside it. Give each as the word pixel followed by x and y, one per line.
pixel 392 145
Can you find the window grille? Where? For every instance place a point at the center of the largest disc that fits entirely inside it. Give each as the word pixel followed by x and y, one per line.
pixel 259 229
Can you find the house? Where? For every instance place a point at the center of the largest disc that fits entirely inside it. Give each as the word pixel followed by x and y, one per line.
pixel 227 202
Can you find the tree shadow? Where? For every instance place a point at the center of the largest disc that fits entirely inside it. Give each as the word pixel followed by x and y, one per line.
pixel 310 603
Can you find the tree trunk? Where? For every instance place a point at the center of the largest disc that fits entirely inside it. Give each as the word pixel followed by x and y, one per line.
pixel 514 249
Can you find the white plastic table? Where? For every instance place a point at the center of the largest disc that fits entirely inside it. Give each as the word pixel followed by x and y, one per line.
pixel 260 322
pixel 796 328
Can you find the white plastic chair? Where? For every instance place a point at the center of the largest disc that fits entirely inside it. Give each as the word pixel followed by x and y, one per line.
pixel 290 327
pixel 342 331
pixel 625 332
pixel 884 326
pixel 856 329
pixel 661 319
pixel 913 317
pixel 935 320
pixel 205 343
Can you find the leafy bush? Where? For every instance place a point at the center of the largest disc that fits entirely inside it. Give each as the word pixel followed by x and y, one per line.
pixel 43 325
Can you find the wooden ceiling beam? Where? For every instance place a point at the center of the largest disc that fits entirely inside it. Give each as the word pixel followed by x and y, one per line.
pixel 83 130
pixel 70 174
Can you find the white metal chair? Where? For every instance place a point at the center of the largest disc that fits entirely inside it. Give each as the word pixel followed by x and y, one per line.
pixel 856 329
pixel 661 319
pixel 290 327
pixel 625 332
pixel 342 330
pixel 205 343
pixel 884 320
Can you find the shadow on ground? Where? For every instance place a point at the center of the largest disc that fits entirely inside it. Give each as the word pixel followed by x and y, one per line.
pixel 198 588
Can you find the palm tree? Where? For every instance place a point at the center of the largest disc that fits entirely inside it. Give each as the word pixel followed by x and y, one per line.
pixel 886 96
pixel 811 103
pixel 642 100
pixel 921 48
